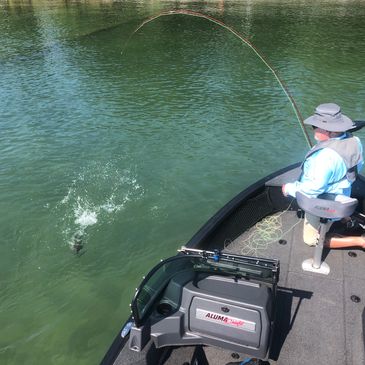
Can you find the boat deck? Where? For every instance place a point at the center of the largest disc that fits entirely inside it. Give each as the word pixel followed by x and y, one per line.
pixel 315 313
pixel 317 321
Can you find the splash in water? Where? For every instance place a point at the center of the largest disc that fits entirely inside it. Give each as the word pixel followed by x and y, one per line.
pixel 94 197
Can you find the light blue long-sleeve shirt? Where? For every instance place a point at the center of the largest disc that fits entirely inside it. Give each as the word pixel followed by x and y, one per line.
pixel 320 173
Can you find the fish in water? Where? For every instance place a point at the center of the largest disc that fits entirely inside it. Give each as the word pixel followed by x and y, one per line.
pixel 76 243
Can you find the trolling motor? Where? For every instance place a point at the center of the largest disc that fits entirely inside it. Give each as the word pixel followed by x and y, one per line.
pixel 329 206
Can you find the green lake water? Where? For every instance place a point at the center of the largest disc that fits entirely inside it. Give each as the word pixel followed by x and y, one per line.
pixel 136 150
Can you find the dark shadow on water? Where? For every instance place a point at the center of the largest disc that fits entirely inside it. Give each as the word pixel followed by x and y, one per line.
pixel 285 316
pixel 79 254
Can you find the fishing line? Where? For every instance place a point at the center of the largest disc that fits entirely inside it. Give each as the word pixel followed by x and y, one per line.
pixel 244 40
pixel 264 233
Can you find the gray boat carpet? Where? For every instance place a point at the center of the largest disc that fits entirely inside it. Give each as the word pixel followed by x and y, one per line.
pixel 317 322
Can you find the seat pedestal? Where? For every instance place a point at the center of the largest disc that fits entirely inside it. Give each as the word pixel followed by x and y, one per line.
pixel 315 264
pixel 308 265
pixel 332 207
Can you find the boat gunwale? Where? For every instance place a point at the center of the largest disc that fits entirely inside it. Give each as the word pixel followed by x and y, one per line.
pixel 222 214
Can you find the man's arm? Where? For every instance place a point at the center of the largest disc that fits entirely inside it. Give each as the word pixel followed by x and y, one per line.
pixel 319 171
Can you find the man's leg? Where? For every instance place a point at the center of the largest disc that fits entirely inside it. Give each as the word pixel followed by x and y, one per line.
pixel 342 242
pixel 311 229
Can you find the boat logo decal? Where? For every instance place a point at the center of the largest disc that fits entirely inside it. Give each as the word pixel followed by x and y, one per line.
pixel 225 320
pixel 329 210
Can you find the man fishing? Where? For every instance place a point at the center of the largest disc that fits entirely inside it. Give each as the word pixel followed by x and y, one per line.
pixel 331 166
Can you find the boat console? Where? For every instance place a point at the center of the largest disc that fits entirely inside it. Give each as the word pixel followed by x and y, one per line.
pixel 207 298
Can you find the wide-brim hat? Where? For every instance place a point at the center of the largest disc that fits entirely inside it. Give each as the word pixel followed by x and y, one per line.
pixel 329 117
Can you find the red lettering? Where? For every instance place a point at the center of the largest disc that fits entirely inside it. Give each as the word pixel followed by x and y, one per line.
pixel 227 320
